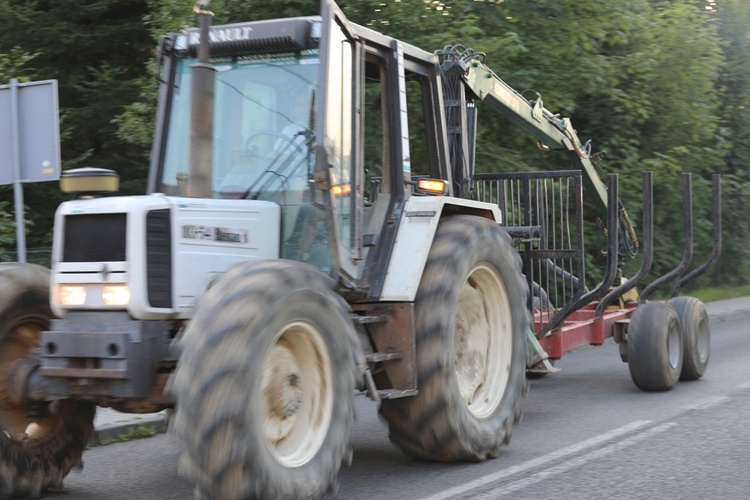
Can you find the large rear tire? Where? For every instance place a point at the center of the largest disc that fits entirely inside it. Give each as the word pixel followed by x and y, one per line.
pixel 471 321
pixel 696 336
pixel 265 385
pixel 654 345
pixel 35 453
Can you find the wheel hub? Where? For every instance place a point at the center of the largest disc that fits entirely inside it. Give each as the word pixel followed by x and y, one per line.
pixel 282 393
pixel 703 340
pixel 674 347
pixel 297 402
pixel 471 343
pixel 483 341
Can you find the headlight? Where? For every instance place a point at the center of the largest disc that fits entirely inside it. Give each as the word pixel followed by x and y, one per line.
pixel 116 295
pixel 72 295
pixel 93 295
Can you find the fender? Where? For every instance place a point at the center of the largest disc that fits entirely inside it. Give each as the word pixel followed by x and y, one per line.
pixel 419 222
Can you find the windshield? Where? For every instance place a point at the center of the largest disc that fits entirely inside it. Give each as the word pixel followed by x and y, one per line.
pixel 264 117
pixel 263 127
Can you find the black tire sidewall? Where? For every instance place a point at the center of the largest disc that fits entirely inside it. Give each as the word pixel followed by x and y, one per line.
pixel 693 315
pixel 647 345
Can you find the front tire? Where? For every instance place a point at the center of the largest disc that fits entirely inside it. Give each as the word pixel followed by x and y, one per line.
pixel 35 453
pixel 265 385
pixel 471 320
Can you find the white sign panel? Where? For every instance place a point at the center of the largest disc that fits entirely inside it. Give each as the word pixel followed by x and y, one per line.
pixel 37 135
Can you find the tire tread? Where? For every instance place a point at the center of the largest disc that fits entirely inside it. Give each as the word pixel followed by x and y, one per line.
pixel 429 425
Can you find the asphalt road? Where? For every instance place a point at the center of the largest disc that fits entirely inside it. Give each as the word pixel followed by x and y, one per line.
pixel 588 432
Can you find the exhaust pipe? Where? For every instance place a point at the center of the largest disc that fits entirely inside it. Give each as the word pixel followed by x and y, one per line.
pixel 202 112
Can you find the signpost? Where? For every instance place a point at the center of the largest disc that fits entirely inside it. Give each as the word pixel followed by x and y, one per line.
pixel 29 141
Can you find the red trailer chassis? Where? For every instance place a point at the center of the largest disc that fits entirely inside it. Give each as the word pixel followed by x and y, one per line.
pixel 583 328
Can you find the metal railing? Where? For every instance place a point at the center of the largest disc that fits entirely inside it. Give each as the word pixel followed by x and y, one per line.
pixel 543 212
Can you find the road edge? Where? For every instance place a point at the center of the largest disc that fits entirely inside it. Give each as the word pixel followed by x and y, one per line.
pixel 135 427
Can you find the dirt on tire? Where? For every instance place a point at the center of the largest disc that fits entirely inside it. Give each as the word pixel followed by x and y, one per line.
pixel 35 453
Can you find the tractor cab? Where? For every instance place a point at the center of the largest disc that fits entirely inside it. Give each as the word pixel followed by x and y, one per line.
pixel 315 115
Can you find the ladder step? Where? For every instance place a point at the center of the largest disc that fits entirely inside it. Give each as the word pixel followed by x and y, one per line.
pixel 379 357
pixel 396 393
pixel 364 320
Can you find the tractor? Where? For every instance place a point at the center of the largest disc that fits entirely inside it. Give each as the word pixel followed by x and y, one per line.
pixel 313 229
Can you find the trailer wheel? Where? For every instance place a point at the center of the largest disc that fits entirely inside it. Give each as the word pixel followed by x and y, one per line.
pixel 654 346
pixel 265 385
pixel 696 336
pixel 471 319
pixel 35 453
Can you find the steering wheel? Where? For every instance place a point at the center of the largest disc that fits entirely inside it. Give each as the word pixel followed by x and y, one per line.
pixel 288 144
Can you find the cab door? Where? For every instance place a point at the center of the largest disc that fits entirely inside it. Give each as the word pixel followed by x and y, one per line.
pixel 337 168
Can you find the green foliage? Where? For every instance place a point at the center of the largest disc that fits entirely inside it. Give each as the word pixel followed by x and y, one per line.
pixel 712 294
pixel 96 52
pixel 136 432
pixel 734 29
pixel 243 10
pixel 15 64
pixel 8 250
pixel 734 266
pixel 638 78
pixel 7 231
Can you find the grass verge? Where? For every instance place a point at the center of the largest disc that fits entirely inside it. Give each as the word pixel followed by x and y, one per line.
pixel 135 432
pixel 714 294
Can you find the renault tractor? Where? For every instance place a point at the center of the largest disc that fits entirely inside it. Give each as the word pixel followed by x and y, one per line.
pixel 314 228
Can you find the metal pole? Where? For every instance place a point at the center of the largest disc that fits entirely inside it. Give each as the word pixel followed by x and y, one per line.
pixel 687 231
pixel 16 165
pixel 202 116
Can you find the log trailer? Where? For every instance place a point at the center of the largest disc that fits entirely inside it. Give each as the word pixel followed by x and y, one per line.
pixel 314 227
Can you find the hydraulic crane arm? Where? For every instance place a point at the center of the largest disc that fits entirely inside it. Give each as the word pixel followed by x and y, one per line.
pixel 550 130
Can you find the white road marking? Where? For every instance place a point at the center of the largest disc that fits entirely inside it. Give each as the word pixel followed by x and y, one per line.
pixel 539 461
pixel 709 403
pixel 571 464
pixel 746 385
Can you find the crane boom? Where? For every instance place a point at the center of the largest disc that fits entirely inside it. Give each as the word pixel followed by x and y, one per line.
pixel 551 131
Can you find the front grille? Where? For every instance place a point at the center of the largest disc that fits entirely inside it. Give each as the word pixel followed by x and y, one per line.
pixel 94 238
pixel 159 258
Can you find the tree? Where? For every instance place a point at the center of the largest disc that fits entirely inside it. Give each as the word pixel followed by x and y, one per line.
pixel 640 79
pixel 95 51
pixel 13 64
pixel 7 231
pixel 734 29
